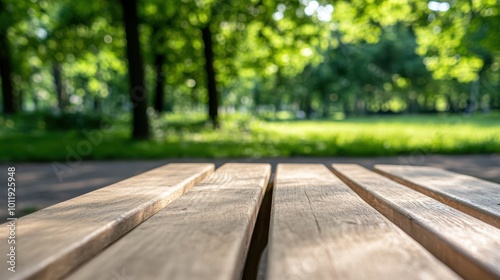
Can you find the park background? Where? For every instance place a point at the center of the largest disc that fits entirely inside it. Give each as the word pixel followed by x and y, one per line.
pixel 155 79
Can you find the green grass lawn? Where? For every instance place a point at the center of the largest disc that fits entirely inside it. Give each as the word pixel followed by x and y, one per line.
pixel 243 136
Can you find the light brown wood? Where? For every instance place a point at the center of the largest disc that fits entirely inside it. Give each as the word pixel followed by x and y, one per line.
pixel 55 240
pixel 320 229
pixel 473 196
pixel 466 244
pixel 205 234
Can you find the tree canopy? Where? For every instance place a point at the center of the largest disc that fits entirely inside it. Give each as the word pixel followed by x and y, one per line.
pixel 311 57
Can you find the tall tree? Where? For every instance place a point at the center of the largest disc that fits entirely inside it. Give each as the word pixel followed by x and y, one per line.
pixel 213 98
pixel 159 99
pixel 138 93
pixel 6 75
pixel 159 15
pixel 58 82
pixel 211 17
pixel 6 63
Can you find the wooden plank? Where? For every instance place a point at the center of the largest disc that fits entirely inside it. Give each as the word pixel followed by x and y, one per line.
pixel 466 244
pixel 320 229
pixel 473 196
pixel 55 240
pixel 203 235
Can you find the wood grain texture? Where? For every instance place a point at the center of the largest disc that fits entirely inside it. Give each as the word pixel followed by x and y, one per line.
pixel 466 244
pixel 55 240
pixel 320 229
pixel 473 196
pixel 203 235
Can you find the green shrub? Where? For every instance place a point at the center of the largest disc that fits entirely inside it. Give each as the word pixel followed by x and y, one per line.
pixel 67 121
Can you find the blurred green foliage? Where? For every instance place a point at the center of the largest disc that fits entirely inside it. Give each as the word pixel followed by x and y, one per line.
pixel 48 121
pixel 266 52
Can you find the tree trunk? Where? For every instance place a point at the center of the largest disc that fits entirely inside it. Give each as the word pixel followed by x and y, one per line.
pixel 474 93
pixel 411 99
pixel 277 93
pixel 307 104
pixel 213 98
pixel 497 105
pixel 35 101
pixel 256 99
pixel 6 74
pixel 96 105
pixel 326 104
pixel 160 83
pixel 345 107
pixel 138 93
pixel 60 90
pixel 360 106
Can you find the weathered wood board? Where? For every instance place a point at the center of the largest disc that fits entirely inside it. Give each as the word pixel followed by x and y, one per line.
pixel 476 197
pixel 55 240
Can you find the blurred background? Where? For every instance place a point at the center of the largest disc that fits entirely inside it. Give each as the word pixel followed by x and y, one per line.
pixel 143 79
